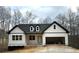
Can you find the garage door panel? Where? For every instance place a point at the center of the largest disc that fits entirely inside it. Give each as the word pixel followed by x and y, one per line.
pixel 55 40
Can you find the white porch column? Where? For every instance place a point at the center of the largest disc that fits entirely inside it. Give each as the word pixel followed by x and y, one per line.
pixel 66 39
pixel 43 40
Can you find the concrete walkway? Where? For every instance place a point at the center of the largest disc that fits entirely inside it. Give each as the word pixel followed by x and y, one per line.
pixel 47 49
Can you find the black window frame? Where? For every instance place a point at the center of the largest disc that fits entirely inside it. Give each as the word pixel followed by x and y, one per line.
pixel 20 37
pixel 13 37
pixel 16 37
pixel 32 37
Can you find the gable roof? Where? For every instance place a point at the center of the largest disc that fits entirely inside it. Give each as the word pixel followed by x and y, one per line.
pixel 26 27
pixel 59 26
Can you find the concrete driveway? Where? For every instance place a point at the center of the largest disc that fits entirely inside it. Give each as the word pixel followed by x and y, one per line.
pixel 46 49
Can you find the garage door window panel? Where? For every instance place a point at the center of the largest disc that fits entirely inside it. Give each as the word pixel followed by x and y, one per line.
pixel 55 40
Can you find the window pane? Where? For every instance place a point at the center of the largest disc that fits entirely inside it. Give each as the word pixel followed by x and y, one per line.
pixel 16 37
pixel 31 28
pixel 32 37
pixel 13 37
pixel 20 37
pixel 37 28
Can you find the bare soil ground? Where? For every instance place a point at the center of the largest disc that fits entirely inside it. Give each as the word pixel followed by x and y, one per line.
pixel 46 49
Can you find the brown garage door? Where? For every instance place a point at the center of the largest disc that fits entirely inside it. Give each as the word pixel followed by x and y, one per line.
pixel 55 40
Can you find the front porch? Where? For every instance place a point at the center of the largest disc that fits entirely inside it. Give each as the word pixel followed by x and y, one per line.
pixel 33 39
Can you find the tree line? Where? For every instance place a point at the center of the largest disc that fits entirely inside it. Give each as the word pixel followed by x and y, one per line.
pixel 9 18
pixel 70 20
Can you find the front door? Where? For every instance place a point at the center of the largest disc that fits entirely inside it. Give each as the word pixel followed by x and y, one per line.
pixel 39 40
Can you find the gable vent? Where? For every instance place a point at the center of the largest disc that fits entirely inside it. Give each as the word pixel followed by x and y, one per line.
pixel 54 26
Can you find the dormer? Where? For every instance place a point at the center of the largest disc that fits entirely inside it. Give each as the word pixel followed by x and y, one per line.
pixel 37 28
pixel 31 28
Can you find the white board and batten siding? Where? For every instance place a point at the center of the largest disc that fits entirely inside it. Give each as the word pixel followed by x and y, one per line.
pixel 17 31
pixel 58 32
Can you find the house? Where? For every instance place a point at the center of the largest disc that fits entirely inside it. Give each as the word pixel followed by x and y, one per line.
pixel 38 34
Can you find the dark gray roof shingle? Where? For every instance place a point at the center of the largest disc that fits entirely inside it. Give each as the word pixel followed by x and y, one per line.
pixel 26 27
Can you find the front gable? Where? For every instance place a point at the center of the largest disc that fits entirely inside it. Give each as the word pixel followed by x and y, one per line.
pixel 58 28
pixel 17 30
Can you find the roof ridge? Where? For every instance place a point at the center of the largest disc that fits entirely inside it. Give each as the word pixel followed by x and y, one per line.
pixel 34 24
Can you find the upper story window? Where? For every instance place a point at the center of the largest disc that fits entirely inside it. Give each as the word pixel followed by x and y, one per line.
pixel 37 28
pixel 54 26
pixel 31 28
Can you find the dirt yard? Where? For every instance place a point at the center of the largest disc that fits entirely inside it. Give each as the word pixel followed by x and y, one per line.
pixel 46 49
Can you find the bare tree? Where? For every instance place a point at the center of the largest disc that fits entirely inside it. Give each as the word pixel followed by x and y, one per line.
pixel 46 20
pixel 23 20
pixel 28 18
pixel 5 15
pixel 61 19
pixel 68 21
pixel 16 18
pixel 71 19
pixel 41 20
pixel 8 21
pixel 77 21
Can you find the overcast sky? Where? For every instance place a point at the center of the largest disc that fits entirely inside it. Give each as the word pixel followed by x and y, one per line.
pixel 42 11
pixel 42 8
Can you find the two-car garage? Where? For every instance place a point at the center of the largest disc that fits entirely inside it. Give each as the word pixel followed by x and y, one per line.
pixel 58 38
pixel 55 40
pixel 55 34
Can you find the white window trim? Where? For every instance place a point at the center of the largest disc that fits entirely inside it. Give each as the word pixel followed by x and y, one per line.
pixel 15 37
pixel 38 28
pixel 32 28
